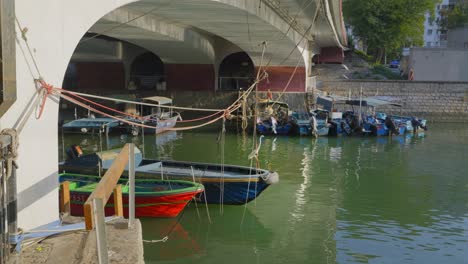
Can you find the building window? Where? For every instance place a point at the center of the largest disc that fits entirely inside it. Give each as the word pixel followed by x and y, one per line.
pixel 429 31
pixel 7 55
pixel 428 44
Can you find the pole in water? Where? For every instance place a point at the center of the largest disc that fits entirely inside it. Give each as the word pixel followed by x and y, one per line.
pixel 131 176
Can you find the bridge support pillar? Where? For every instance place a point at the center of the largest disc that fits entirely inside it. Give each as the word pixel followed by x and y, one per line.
pixel 308 54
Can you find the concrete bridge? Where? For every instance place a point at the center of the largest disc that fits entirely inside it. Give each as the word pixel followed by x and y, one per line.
pixel 189 44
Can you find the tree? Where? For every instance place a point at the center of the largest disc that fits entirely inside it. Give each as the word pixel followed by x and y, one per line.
pixel 386 26
pixel 455 17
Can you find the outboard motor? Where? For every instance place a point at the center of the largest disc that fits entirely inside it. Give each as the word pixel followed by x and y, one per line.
pixel 74 152
pixel 389 123
pixel 416 124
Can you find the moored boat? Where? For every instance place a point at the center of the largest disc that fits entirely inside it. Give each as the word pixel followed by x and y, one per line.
pixel 227 184
pixel 153 198
pixel 155 114
pixel 273 118
pixel 90 125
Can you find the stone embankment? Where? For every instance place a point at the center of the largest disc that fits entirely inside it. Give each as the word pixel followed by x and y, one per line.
pixel 435 101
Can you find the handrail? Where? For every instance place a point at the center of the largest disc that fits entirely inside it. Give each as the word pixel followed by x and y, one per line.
pixel 106 185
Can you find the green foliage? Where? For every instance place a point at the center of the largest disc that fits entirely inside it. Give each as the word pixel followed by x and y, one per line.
pixel 456 17
pixel 386 72
pixel 363 55
pixel 386 26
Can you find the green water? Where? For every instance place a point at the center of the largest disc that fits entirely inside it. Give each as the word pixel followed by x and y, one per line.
pixel 339 200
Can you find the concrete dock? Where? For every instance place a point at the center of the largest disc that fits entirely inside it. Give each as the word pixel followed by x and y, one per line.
pixel 124 246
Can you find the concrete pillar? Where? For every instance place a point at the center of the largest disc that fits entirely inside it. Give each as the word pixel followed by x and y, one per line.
pixel 308 54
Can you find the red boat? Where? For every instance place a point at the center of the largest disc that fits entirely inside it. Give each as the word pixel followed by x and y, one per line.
pixel 153 198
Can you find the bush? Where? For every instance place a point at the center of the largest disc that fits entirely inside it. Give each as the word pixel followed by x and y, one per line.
pixel 363 55
pixel 386 72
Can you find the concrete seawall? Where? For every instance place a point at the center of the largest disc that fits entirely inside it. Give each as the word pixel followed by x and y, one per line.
pixel 435 101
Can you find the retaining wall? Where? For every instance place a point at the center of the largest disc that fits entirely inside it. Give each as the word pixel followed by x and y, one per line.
pixel 435 101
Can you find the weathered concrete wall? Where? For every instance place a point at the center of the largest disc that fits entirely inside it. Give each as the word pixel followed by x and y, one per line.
pixel 278 78
pixel 458 38
pixel 446 65
pixel 436 101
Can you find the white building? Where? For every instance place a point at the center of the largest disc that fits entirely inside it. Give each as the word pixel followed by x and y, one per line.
pixel 433 35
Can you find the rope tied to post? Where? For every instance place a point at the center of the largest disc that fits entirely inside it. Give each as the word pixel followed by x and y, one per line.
pixel 12 150
pixel 45 90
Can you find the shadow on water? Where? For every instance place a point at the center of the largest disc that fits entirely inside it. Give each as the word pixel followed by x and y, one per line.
pixel 345 200
pixel 197 236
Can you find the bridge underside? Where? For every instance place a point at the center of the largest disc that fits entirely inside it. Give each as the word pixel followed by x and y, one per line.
pixel 193 38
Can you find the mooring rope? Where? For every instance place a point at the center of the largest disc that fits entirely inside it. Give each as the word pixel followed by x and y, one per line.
pixel 196 204
pixel 166 237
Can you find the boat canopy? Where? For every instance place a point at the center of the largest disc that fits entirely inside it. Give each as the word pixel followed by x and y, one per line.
pixel 327 101
pixel 158 99
pixel 267 103
pixel 92 122
pixel 382 100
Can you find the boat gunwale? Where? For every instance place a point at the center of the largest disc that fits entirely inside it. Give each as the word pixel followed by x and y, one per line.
pixel 194 187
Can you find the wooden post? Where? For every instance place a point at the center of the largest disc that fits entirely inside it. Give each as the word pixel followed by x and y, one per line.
pixel 118 205
pixel 65 197
pixel 105 187
pixel 88 215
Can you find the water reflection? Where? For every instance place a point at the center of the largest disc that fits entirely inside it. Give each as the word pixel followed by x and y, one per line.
pixel 345 200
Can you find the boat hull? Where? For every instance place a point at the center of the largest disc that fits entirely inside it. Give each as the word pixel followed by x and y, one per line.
pixel 266 129
pixel 238 185
pixel 153 198
pixel 145 206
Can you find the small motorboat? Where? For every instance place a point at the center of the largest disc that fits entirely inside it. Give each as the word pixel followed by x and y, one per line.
pixel 90 125
pixel 153 198
pixel 156 116
pixel 226 184
pixel 273 118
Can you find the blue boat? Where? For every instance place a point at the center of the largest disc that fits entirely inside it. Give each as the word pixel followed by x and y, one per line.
pixel 90 125
pixel 273 118
pixel 412 124
pixel 228 184
pixel 302 122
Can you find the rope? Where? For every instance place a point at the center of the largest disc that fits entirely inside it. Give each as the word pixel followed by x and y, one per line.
pixel 142 103
pixel 222 143
pixel 25 39
pixel 12 150
pixel 166 237
pixel 58 92
pixel 319 7
pixel 196 204
pixel 244 112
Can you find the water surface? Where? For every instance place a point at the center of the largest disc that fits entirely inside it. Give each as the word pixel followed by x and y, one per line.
pixel 339 200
